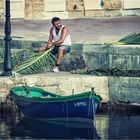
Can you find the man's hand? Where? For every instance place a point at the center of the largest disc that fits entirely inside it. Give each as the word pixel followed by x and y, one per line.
pixel 39 49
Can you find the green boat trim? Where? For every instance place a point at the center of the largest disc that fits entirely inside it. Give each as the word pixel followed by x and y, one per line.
pixel 34 94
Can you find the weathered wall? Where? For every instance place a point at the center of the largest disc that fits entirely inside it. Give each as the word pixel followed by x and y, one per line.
pixel 109 88
pixel 60 83
pixel 1 10
pixel 125 57
pixel 112 4
pixel 46 9
pixel 34 9
pixel 124 89
pixel 75 8
pixel 117 56
pixel 55 8
pixel 96 56
pixel 93 56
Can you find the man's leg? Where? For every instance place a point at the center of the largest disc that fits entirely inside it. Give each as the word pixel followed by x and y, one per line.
pixel 61 52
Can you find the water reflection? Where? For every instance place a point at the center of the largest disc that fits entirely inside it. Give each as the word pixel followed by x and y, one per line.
pixel 105 127
pixel 124 127
pixel 34 129
pixel 118 126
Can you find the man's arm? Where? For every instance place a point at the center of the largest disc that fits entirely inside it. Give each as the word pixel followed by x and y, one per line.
pixel 49 44
pixel 63 36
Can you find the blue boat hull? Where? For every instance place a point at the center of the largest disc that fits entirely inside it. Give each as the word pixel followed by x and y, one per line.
pixel 68 110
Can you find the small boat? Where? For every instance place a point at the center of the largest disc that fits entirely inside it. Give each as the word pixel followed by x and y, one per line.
pixel 36 103
pixel 128 106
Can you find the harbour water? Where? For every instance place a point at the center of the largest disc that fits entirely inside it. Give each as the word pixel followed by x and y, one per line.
pixel 105 126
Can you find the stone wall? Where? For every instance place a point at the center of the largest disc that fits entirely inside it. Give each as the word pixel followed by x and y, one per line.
pixel 109 88
pixel 60 83
pixel 74 5
pixel 112 4
pixel 34 9
pixel 101 56
pixel 124 89
pixel 75 8
pixel 40 9
pixel 1 10
pixel 93 56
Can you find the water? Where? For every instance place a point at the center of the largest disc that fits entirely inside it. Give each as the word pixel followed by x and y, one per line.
pixel 104 127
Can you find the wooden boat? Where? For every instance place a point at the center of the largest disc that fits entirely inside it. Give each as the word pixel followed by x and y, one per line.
pixel 128 107
pixel 37 103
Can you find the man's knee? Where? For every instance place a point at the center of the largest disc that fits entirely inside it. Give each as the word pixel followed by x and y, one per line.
pixel 62 49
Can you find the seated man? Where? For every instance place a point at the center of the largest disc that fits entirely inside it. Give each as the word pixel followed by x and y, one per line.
pixel 60 38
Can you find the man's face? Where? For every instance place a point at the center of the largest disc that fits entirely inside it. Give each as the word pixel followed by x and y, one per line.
pixel 57 24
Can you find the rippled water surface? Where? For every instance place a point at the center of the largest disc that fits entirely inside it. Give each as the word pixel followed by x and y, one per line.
pixel 104 127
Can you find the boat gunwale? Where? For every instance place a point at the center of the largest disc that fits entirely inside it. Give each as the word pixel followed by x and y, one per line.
pixel 56 98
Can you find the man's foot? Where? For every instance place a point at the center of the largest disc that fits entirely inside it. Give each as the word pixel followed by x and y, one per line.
pixel 55 69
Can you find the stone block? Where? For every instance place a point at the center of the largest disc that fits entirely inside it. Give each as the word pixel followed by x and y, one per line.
pixel 94 13
pixel 28 1
pixel 49 15
pixel 95 56
pixel 112 4
pixel 125 49
pixel 38 6
pixel 75 14
pixel 74 5
pixel 17 13
pixel 17 9
pixel 125 57
pixel 28 10
pixel 2 12
pixel 1 4
pixel 64 83
pixel 105 56
pixel 130 12
pixel 124 89
pixel 55 5
pixel 112 13
pixel 37 15
pixel 92 4
pixel 37 1
pixel 131 4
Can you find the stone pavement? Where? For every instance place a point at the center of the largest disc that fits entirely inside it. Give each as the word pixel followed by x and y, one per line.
pixel 83 30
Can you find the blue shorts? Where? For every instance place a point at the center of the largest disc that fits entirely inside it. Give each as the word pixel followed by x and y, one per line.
pixel 66 47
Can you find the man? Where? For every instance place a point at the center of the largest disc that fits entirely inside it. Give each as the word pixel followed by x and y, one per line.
pixel 60 38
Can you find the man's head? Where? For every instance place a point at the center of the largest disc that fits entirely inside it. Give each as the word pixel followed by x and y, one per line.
pixel 56 22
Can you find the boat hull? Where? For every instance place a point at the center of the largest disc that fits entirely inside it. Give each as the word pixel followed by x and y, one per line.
pixel 69 110
pixel 40 104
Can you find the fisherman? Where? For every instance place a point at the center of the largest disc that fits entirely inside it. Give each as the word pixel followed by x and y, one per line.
pixel 60 38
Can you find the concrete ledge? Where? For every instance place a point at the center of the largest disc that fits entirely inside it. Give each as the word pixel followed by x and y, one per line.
pixel 101 56
pixel 60 83
pixel 109 88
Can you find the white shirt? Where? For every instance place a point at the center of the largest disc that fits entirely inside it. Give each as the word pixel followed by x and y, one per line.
pixel 56 37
